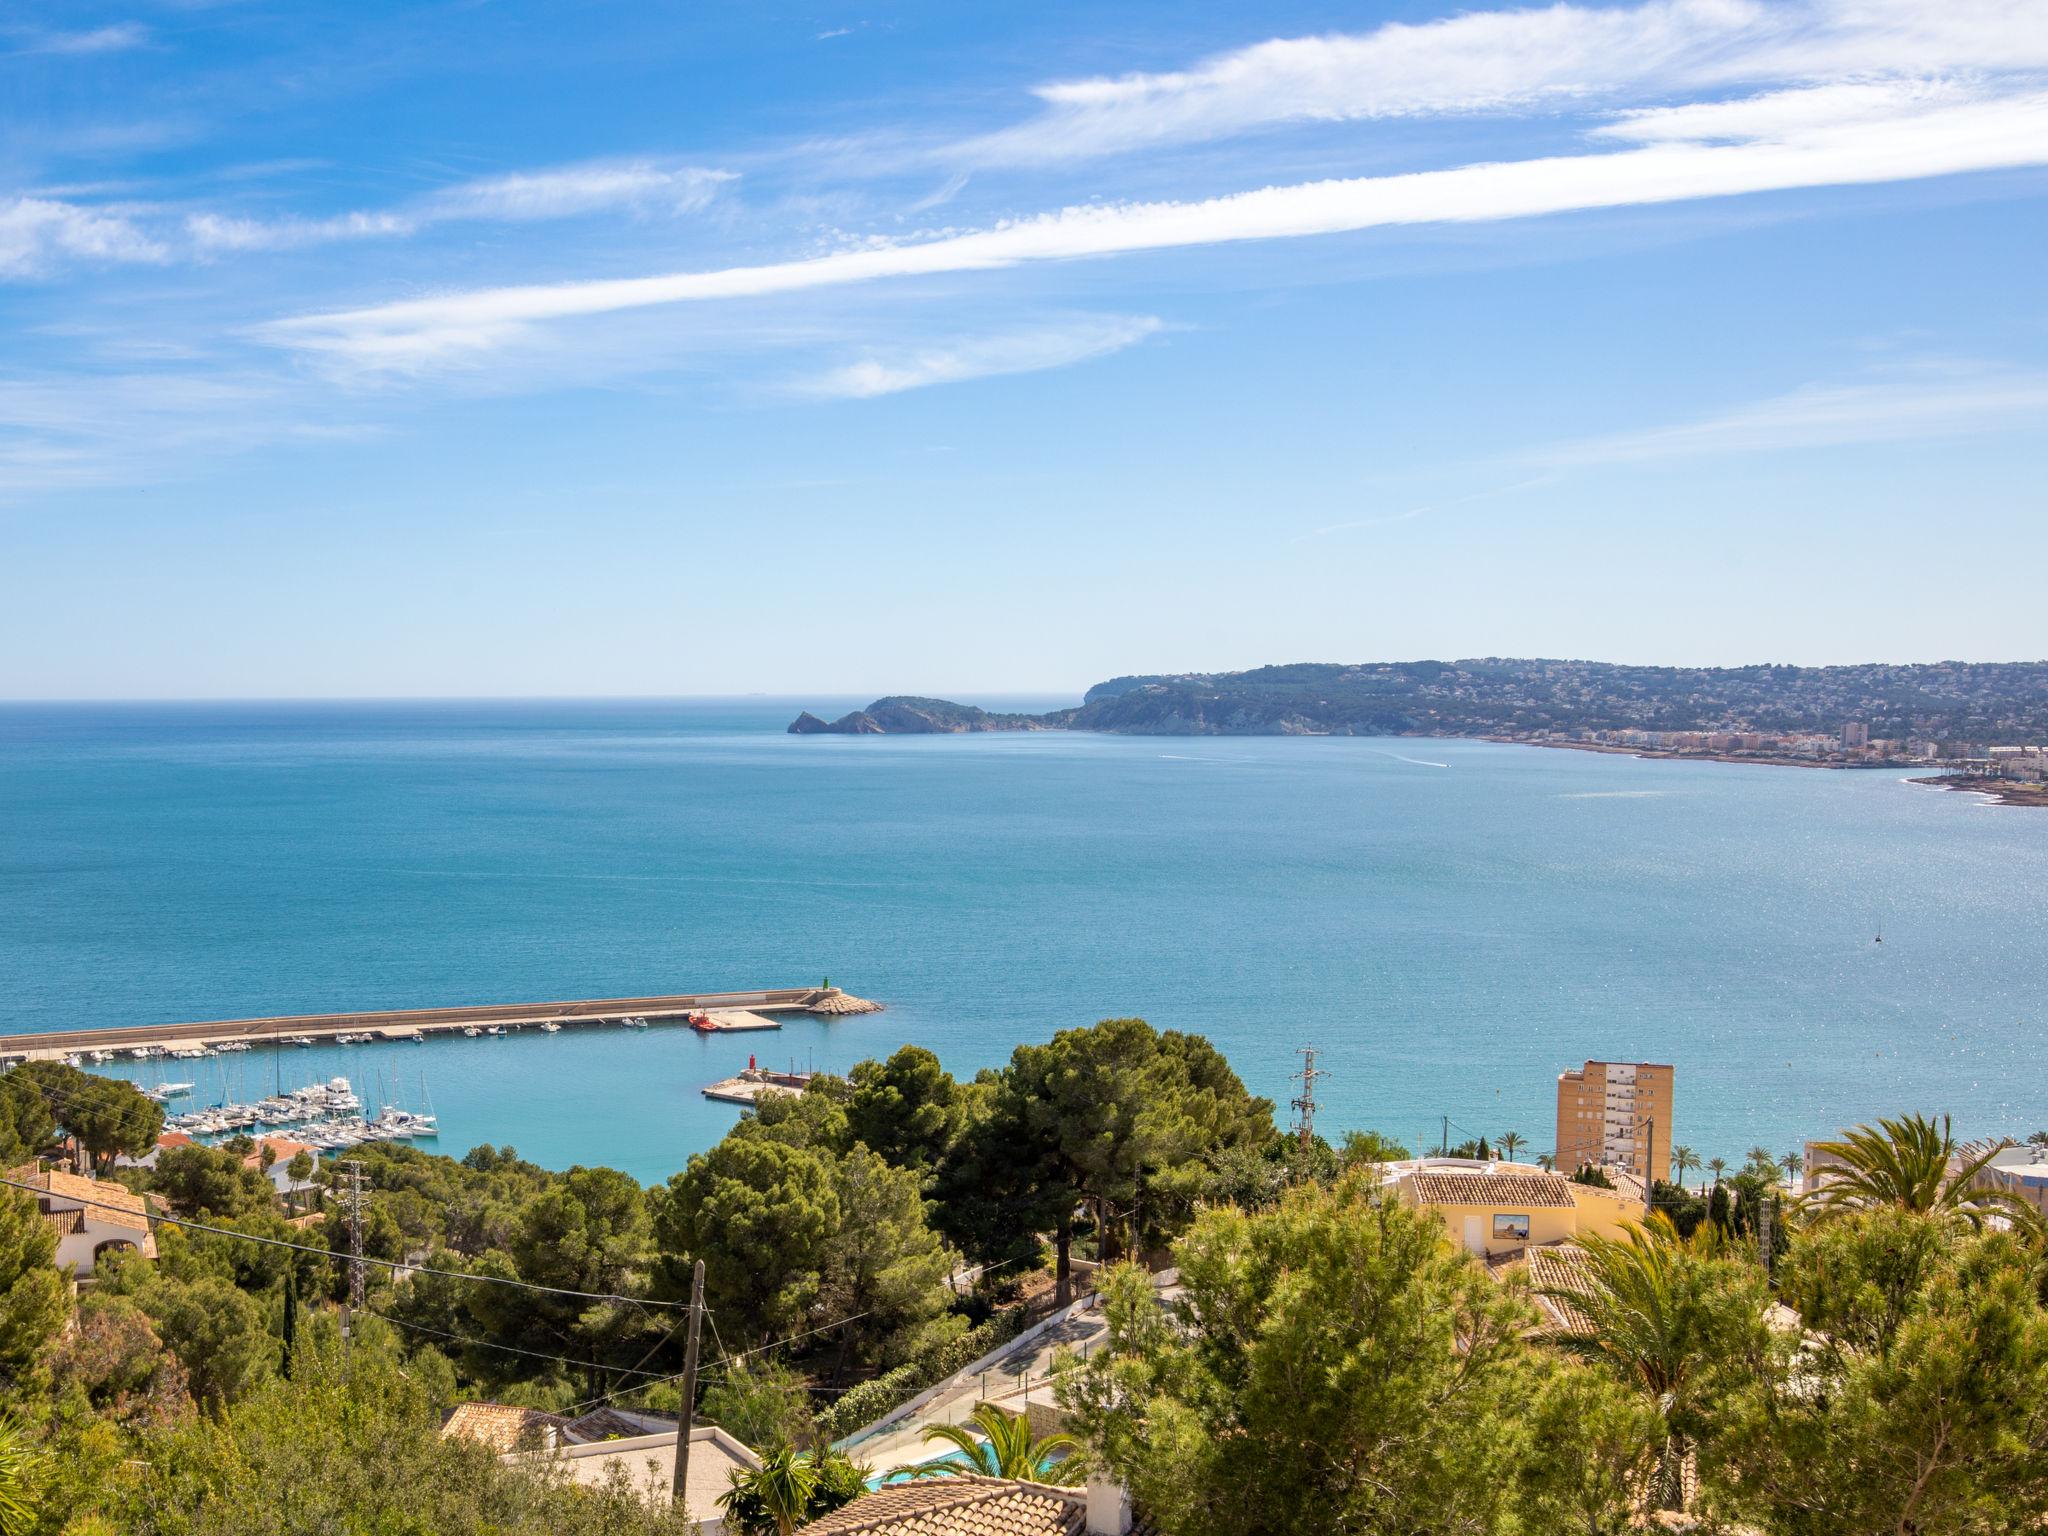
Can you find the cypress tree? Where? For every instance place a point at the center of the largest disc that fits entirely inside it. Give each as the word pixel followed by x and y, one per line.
pixel 291 1318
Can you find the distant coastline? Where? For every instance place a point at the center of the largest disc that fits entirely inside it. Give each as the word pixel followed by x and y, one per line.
pixel 1973 721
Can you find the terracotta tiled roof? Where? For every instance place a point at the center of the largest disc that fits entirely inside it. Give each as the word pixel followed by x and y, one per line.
pixel 1561 1266
pixel 499 1425
pixel 1522 1188
pixel 108 1204
pixel 175 1139
pixel 962 1506
pixel 283 1150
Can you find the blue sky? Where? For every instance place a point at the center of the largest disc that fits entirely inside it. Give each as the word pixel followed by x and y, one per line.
pixel 641 348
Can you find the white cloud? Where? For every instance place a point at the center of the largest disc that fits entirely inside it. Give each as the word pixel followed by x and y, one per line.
pixel 216 232
pixel 1784 114
pixel 1484 61
pixel 578 189
pixel 1934 140
pixel 1032 351
pixel 559 193
pixel 35 232
pixel 1928 403
pixel 117 38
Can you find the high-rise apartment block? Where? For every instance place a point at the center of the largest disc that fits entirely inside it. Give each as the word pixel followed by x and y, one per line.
pixel 1615 1114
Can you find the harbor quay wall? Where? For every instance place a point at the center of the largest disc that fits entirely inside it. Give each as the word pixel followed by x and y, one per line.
pixel 402 1023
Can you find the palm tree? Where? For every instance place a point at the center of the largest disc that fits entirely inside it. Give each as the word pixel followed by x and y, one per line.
pixel 1004 1449
pixel 1908 1165
pixel 781 1487
pixel 1717 1166
pixel 1647 1314
pixel 1684 1159
pixel 20 1472
pixel 1511 1142
pixel 1547 1161
pixel 1792 1163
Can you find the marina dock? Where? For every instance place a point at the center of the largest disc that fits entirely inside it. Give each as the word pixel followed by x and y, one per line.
pixel 418 1023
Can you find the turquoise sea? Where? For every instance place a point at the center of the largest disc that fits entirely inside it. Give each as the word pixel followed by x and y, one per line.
pixel 1450 923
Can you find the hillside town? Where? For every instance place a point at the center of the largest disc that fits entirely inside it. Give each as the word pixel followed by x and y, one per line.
pixel 900 1323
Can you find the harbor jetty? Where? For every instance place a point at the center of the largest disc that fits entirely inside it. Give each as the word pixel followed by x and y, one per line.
pixel 417 1023
pixel 756 1084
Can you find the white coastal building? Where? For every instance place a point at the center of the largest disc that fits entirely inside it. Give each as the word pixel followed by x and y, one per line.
pixel 89 1217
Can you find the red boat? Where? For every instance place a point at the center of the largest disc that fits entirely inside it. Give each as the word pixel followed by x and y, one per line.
pixel 703 1024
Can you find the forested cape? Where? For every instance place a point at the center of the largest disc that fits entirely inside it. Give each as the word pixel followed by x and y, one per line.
pixel 1978 702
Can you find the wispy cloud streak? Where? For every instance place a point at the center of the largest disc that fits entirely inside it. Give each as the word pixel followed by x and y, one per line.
pixel 1946 403
pixel 1031 351
pixel 118 37
pixel 1924 140
pixel 1500 60
pixel 526 196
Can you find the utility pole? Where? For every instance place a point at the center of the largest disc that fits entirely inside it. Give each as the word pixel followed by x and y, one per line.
pixel 1443 1147
pixel 354 1198
pixel 1305 1126
pixel 687 1421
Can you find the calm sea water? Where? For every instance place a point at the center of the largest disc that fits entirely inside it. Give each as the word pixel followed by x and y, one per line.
pixel 1450 923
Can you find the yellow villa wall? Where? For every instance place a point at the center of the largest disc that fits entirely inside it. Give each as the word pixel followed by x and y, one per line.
pixel 1593 1210
pixel 1547 1224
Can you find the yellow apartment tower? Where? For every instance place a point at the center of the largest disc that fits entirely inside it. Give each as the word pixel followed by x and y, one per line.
pixel 1615 1114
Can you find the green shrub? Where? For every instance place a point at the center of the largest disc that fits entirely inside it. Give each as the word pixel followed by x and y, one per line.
pixel 871 1399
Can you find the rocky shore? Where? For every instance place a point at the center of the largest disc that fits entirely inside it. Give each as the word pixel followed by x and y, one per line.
pixel 2001 791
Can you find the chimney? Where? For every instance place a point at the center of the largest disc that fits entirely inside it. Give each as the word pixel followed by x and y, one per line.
pixel 1109 1507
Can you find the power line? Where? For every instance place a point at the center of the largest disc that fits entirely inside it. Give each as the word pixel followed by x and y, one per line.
pixel 328 1253
pixel 760 1349
pixel 463 1338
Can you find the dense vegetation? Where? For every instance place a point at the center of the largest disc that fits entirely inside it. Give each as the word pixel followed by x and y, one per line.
pixel 1985 702
pixel 859 1240
pixel 1334 1364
